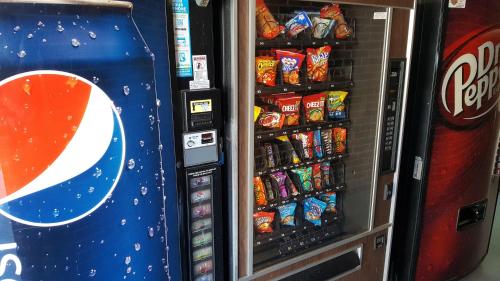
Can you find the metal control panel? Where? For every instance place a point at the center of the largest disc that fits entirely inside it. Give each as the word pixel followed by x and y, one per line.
pixel 200 148
pixel 392 110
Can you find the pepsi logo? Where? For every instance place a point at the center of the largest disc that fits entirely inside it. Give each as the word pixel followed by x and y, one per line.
pixel 62 148
pixel 470 87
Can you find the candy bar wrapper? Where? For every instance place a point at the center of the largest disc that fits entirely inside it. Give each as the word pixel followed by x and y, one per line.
pixel 326 174
pixel 202 239
pixel 305 178
pixel 269 150
pixel 288 154
pixel 270 192
pixel 326 138
pixel 314 107
pixel 266 70
pixel 313 209
pixel 290 66
pixel 292 189
pixel 330 198
pixel 279 179
pixel 201 211
pixel 263 222
pixel 318 148
pixel 202 253
pixel 304 145
pixel 287 214
pixel 321 27
pixel 316 171
pixel 259 191
pixel 200 196
pixel 256 112
pixel 271 120
pixel 317 63
pixel 335 105
pixel 298 24
pixel 267 27
pixel 340 137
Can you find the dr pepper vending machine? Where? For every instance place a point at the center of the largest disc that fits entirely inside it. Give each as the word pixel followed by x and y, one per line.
pixel 319 93
pixel 444 225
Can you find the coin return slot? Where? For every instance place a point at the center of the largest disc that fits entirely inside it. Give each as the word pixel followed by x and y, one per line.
pixel 207 138
pixel 471 214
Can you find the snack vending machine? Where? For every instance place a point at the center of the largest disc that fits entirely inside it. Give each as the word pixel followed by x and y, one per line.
pixel 444 227
pixel 321 90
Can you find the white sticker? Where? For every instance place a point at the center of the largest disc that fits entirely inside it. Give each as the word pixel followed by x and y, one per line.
pixel 456 4
pixel 199 84
pixel 200 67
pixel 202 3
pixel 417 168
pixel 380 15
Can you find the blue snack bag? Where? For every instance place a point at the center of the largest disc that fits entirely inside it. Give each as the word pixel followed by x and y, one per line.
pixel 313 209
pixel 330 198
pixel 287 214
pixel 298 24
pixel 318 148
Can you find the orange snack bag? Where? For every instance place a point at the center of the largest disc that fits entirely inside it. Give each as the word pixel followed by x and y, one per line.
pixel 265 68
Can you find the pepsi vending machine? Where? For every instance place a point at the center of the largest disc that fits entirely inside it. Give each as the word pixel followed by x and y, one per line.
pixel 445 212
pixel 87 174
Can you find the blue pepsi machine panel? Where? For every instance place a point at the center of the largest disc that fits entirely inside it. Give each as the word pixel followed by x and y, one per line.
pixel 87 177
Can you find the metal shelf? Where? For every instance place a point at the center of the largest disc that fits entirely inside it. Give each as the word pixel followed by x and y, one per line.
pixel 324 86
pixel 269 134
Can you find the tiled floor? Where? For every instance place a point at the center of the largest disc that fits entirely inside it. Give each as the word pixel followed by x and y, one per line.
pixel 489 270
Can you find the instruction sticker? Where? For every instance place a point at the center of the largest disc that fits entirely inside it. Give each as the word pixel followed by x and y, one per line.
pixel 456 4
pixel 182 35
pixel 200 67
pixel 199 106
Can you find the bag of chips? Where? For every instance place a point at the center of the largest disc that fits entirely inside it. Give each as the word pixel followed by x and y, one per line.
pixel 287 214
pixel 304 176
pixel 287 152
pixel 314 107
pixel 335 105
pixel 326 139
pixel 318 148
pixel 330 198
pixel 259 192
pixel 303 143
pixel 256 112
pixel 298 24
pixel 325 174
pixel 279 179
pixel 321 27
pixel 292 189
pixel 265 68
pixel 263 222
pixel 317 63
pixel 289 107
pixel 317 179
pixel 332 11
pixel 290 66
pixel 267 26
pixel 271 120
pixel 313 209
pixel 340 137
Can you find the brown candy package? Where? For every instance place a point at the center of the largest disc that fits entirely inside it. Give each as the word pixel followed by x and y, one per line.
pixel 303 143
pixel 271 193
pixel 340 137
pixel 326 140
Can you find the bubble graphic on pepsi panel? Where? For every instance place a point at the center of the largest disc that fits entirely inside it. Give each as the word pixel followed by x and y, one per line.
pixel 43 179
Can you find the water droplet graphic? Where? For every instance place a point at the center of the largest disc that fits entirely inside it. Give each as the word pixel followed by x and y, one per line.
pixel 131 164
pixel 148 86
pixel 75 43
pixel 60 28
pixel 95 79
pixel 141 143
pixel 17 28
pixel 136 201
pixel 158 102
pixel 117 28
pixel 21 54
pixel 160 147
pixel 55 213
pixel 39 234
pixel 151 232
pixel 97 173
pixel 78 196
pixel 29 36
pixel 137 247
pixel 92 35
pixel 126 90
pixel 129 269
pixel 44 40
pixel 150 268
pixel 128 259
pixel 123 221
pixel 144 190
pixel 91 189
pixel 40 23
pixel 151 119
pixel 92 272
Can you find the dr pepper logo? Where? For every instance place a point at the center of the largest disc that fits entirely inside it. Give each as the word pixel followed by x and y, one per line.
pixel 470 87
